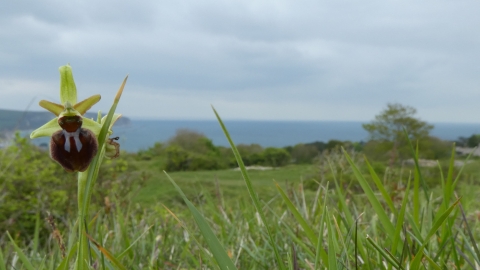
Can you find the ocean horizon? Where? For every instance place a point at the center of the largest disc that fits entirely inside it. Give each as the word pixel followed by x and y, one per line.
pixel 142 134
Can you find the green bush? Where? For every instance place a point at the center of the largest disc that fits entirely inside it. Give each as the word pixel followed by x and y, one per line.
pixel 304 153
pixel 192 151
pixel 177 159
pixel 31 182
pixel 252 154
pixel 276 157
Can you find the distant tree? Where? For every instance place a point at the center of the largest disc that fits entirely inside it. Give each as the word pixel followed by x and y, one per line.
pixel 303 153
pixel 276 157
pixel 321 146
pixel 474 140
pixel 252 154
pixel 387 129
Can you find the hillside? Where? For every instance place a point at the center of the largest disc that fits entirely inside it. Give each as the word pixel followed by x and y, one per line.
pixel 21 120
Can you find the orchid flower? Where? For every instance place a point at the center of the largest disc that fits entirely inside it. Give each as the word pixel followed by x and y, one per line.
pixel 74 138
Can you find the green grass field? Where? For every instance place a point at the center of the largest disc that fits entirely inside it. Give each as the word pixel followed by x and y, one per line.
pixel 229 181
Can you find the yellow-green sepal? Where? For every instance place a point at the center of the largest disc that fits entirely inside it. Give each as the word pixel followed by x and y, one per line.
pixel 52 126
pixel 83 106
pixel 46 130
pixel 68 90
pixel 54 108
pixel 92 125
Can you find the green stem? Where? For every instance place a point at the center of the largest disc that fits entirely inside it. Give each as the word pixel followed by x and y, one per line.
pixel 82 243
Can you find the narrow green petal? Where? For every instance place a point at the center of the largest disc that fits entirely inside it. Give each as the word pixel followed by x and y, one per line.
pixel 92 125
pixel 46 130
pixel 83 106
pixel 68 90
pixel 54 108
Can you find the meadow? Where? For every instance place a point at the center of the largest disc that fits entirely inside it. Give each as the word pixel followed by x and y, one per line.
pixel 337 213
pixel 181 205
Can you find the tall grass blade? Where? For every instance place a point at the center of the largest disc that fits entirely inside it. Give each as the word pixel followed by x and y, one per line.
pixel 251 191
pixel 308 230
pixel 387 256
pixel 320 253
pixel 107 254
pixel 432 263
pixel 64 263
pixel 26 263
pixel 36 232
pixel 380 186
pixel 133 243
pixel 400 221
pixel 470 235
pixel 224 262
pixel 2 261
pixel 332 254
pixel 377 206
pixel 419 255
pixel 417 167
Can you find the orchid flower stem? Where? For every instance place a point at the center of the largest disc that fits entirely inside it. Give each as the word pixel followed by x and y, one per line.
pixel 82 186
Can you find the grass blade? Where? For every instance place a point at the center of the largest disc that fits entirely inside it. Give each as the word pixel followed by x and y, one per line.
pixel 332 254
pixel 2 260
pixel 418 257
pixel 64 263
pixel 387 256
pixel 400 219
pixel 417 167
pixel 28 265
pixel 252 193
pixel 107 254
pixel 377 206
pixel 133 243
pixel 320 251
pixel 380 186
pixel 308 230
pixel 224 262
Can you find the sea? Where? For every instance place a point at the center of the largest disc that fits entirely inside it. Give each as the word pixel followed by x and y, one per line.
pixel 142 134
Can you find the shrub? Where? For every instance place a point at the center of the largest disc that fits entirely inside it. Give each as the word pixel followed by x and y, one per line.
pixel 30 182
pixel 304 153
pixel 276 157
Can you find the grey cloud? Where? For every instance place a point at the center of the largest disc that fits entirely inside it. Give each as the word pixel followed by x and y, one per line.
pixel 279 55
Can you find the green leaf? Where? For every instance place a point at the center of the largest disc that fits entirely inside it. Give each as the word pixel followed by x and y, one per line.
pixel 224 262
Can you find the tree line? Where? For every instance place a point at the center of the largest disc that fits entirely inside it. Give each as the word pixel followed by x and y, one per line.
pixel 387 143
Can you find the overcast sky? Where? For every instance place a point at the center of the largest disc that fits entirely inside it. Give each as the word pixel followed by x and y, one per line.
pixel 251 59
